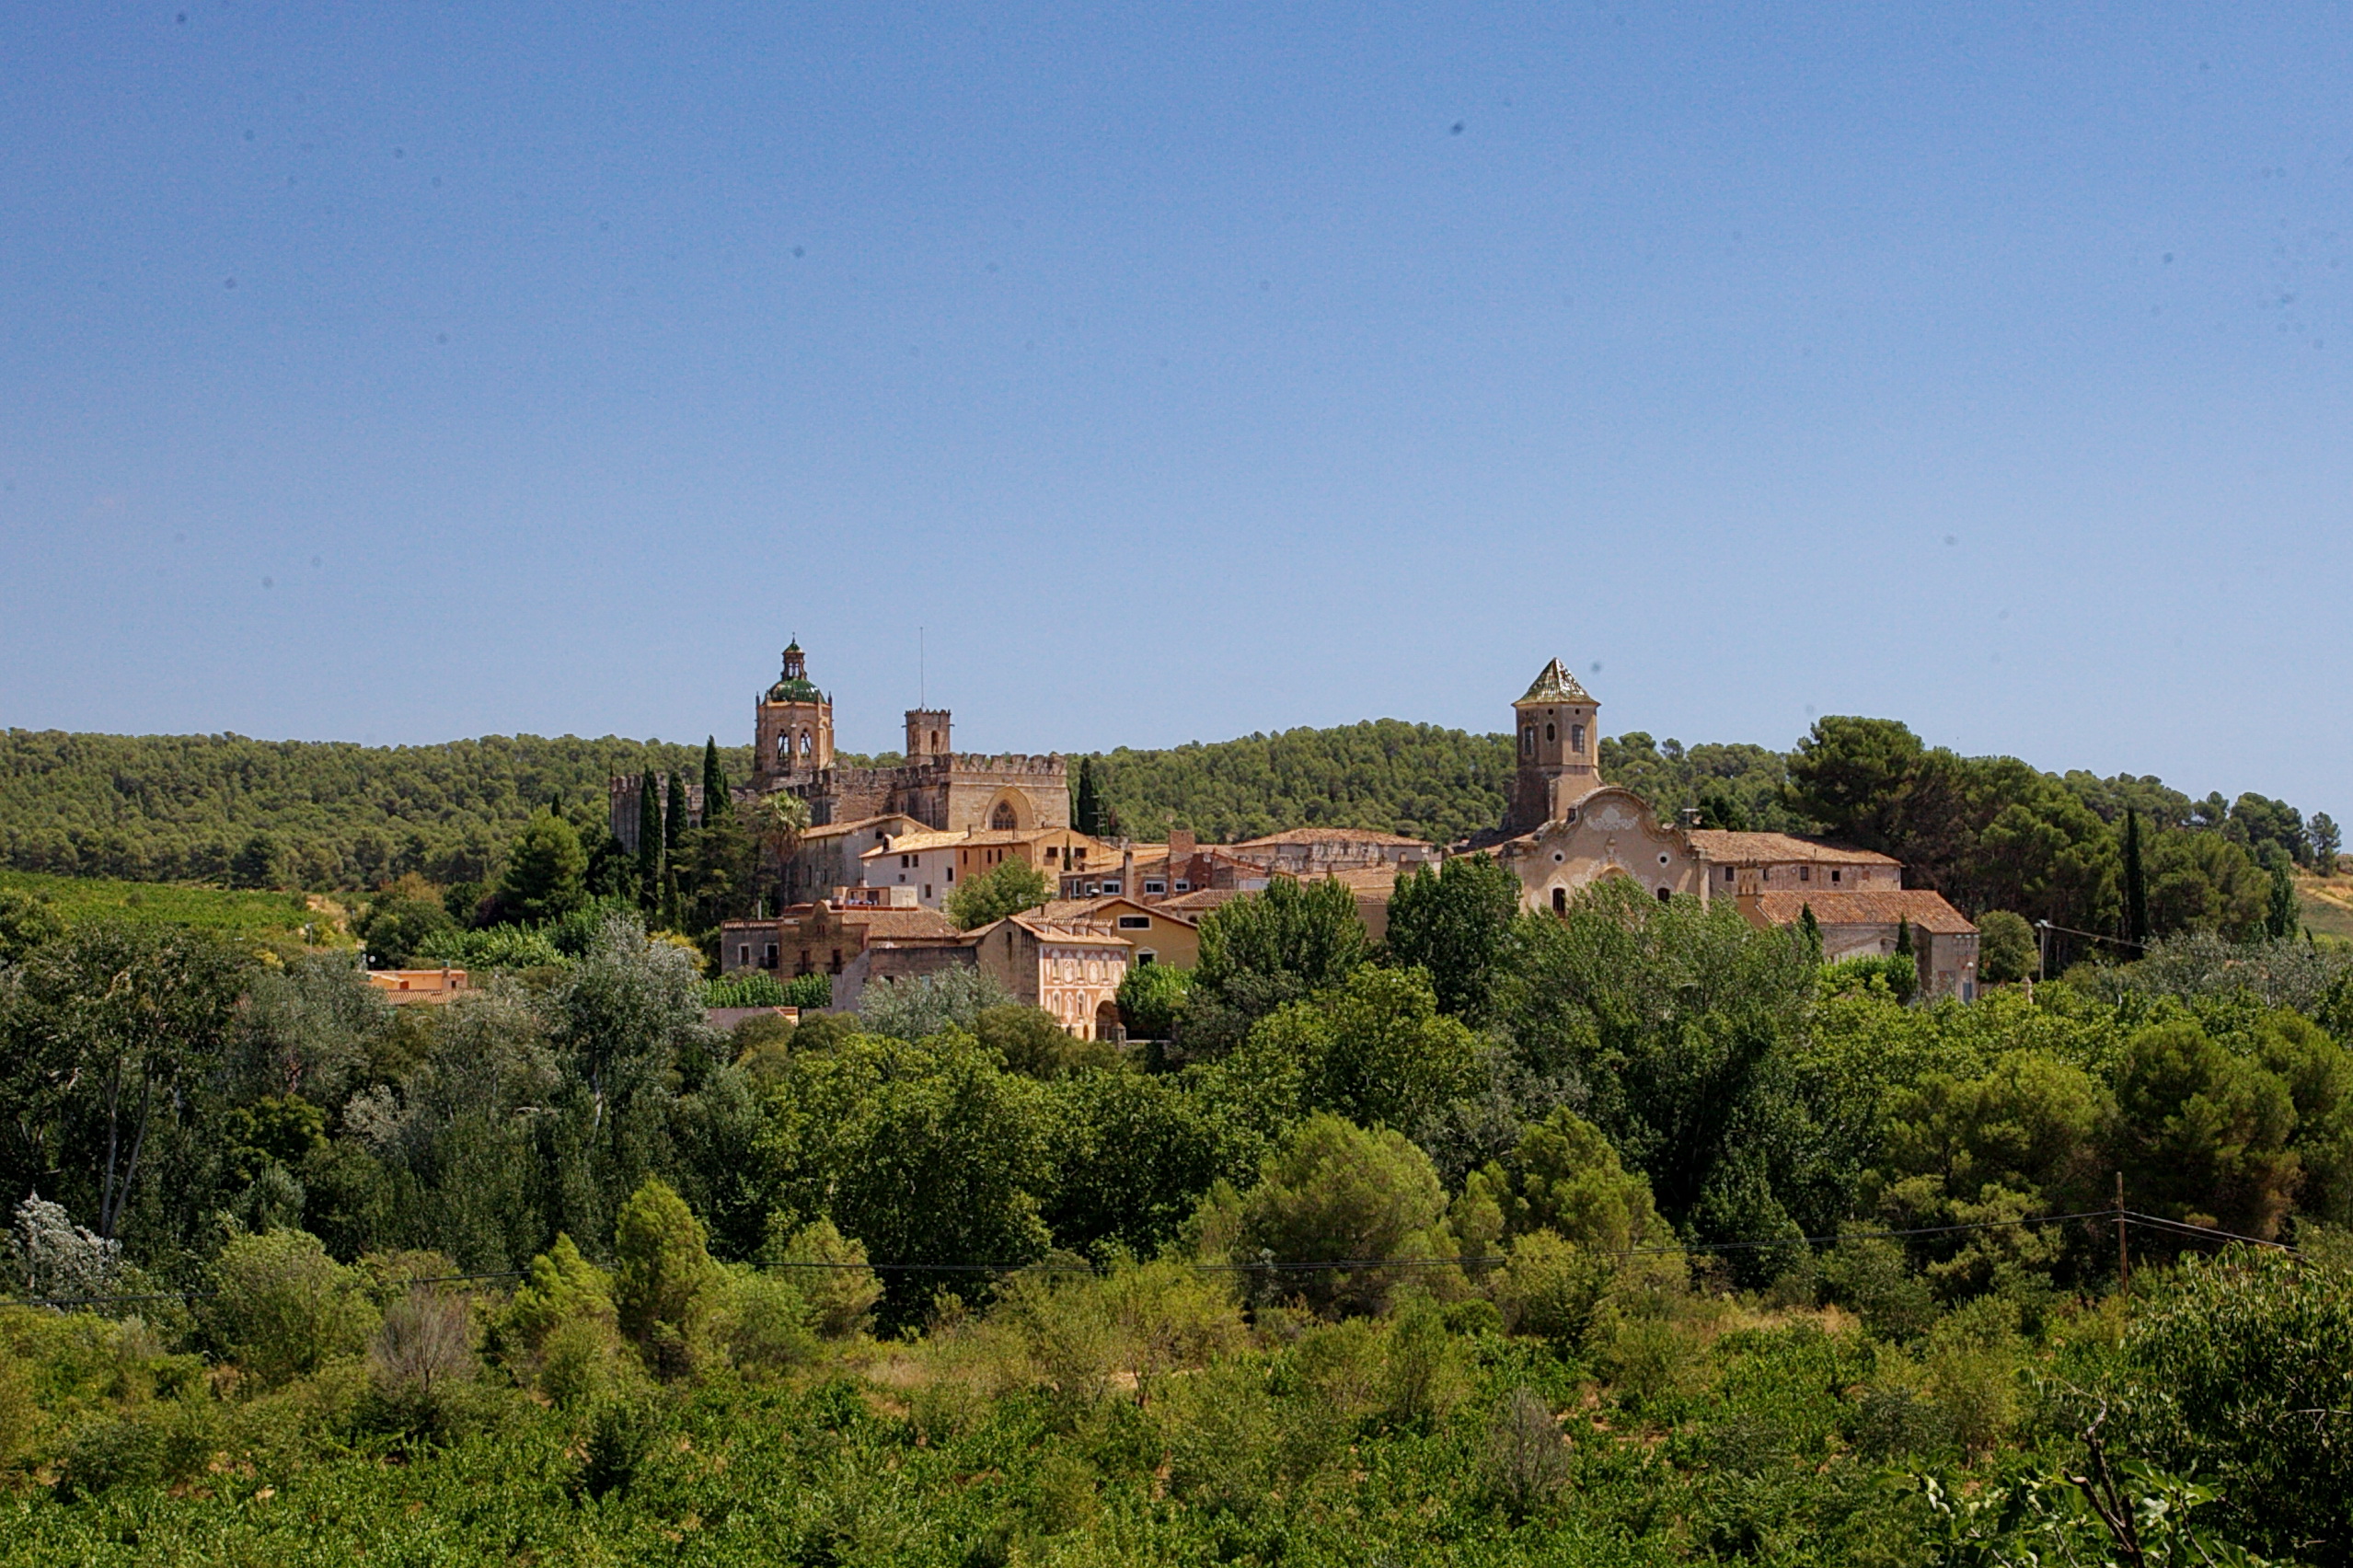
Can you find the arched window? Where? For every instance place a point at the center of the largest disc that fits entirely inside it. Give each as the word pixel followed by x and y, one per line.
pixel 1549 734
pixel 783 746
pixel 1002 819
pixel 1576 739
pixel 1560 901
pixel 1664 894
pixel 935 740
pixel 1527 741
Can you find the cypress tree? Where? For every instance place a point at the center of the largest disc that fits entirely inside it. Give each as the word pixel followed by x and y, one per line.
pixel 673 819
pixel 1810 929
pixel 2136 885
pixel 715 802
pixel 649 841
pixel 1090 804
pixel 2281 921
pixel 1903 937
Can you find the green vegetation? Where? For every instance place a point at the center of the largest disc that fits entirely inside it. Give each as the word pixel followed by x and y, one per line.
pixel 235 914
pixel 1629 1236
pixel 1006 888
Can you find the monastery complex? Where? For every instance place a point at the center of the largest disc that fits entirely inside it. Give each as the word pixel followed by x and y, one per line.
pixel 885 846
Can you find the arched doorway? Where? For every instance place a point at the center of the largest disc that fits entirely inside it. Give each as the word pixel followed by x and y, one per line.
pixel 1107 1024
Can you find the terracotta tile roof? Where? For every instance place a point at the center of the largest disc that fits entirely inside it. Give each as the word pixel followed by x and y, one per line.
pixel 913 843
pixel 835 829
pixel 1924 907
pixel 1201 900
pixel 1068 933
pixel 1721 848
pixel 1332 836
pixel 1111 903
pixel 1366 879
pixel 1554 683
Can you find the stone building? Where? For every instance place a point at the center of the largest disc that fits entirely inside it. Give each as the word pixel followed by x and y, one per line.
pixel 1071 968
pixel 1566 829
pixel 935 787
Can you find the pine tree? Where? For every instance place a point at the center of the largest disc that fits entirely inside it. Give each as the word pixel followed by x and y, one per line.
pixel 649 841
pixel 2136 885
pixel 715 802
pixel 1090 804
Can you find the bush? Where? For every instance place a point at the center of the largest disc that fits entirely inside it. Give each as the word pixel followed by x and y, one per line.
pixel 281 1307
pixel 762 1323
pixel 423 1354
pixel 1551 1287
pixel 1525 1460
pixel 830 1272
pixel 1897 972
pixel 750 988
pixel 2236 1369
pixel 562 1332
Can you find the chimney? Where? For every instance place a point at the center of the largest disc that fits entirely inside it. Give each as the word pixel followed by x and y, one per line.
pixel 1127 872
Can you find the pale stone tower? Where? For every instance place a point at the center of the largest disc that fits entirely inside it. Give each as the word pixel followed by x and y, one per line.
pixel 1559 747
pixel 927 733
pixel 793 728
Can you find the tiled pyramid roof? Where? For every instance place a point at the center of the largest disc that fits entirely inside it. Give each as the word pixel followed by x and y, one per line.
pixel 1556 685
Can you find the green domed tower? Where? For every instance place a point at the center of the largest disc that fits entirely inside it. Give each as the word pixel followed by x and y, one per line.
pixel 793 726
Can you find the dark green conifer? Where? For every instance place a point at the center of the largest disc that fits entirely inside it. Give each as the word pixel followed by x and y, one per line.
pixel 649 840
pixel 715 802
pixel 674 815
pixel 2136 884
pixel 1089 811
pixel 1903 937
pixel 1810 931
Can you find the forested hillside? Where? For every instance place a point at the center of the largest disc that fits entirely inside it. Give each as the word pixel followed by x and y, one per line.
pixel 1989 833
pixel 301 813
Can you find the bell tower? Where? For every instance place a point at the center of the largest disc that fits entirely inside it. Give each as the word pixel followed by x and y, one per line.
pixel 1558 745
pixel 793 726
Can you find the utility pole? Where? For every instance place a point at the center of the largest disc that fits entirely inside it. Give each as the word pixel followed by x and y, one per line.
pixel 2123 1259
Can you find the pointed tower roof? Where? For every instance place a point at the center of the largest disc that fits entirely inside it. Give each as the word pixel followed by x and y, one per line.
pixel 1556 684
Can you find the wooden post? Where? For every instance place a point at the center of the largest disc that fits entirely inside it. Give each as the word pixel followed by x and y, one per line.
pixel 2123 1259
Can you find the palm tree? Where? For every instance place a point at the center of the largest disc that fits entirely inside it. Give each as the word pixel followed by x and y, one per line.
pixel 780 820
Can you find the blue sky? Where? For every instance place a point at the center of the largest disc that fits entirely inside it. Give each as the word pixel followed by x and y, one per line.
pixel 403 373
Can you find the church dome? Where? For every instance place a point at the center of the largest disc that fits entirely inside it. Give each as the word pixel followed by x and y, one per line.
pixel 795 686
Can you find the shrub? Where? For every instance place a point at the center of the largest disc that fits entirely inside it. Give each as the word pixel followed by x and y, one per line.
pixel 762 1323
pixel 1869 1274
pixel 281 1307
pixel 561 1329
pixel 750 988
pixel 1424 1376
pixel 421 1356
pixel 2233 1369
pixel 810 992
pixel 1525 1460
pixel 1551 1287
pixel 830 1272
